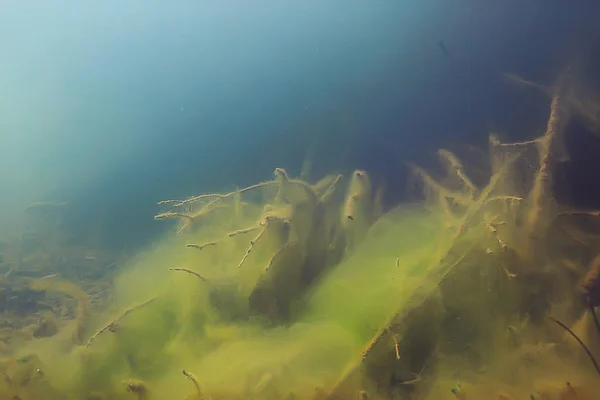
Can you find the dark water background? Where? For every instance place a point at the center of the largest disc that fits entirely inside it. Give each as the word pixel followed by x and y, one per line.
pixel 115 105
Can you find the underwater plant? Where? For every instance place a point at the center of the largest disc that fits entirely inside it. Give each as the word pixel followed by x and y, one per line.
pixel 310 290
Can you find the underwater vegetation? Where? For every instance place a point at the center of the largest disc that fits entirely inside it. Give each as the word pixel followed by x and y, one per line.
pixel 300 289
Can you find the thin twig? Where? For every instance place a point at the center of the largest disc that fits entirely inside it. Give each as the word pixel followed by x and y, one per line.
pixel 189 271
pixel 331 189
pixel 243 231
pixel 517 79
pixel 453 164
pixel 112 323
pixel 509 198
pixel 169 202
pixel 279 254
pixel 200 246
pixel 592 213
pixel 252 244
pixel 45 205
pixel 217 196
pixel 587 350
pixel 594 317
pixel 517 144
pixel 541 181
pixel 170 214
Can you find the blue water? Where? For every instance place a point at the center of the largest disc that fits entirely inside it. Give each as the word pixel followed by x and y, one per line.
pixel 114 105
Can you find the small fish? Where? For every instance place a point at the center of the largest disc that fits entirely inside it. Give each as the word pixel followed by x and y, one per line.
pixel 443 48
pixel 110 265
pixel 509 274
pixel 49 276
pixel 114 327
pixel 350 206
pixel 397 262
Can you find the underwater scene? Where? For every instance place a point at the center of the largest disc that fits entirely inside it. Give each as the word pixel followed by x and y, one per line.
pixel 300 200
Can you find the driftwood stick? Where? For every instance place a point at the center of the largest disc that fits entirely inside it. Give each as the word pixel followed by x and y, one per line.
pixel 115 321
